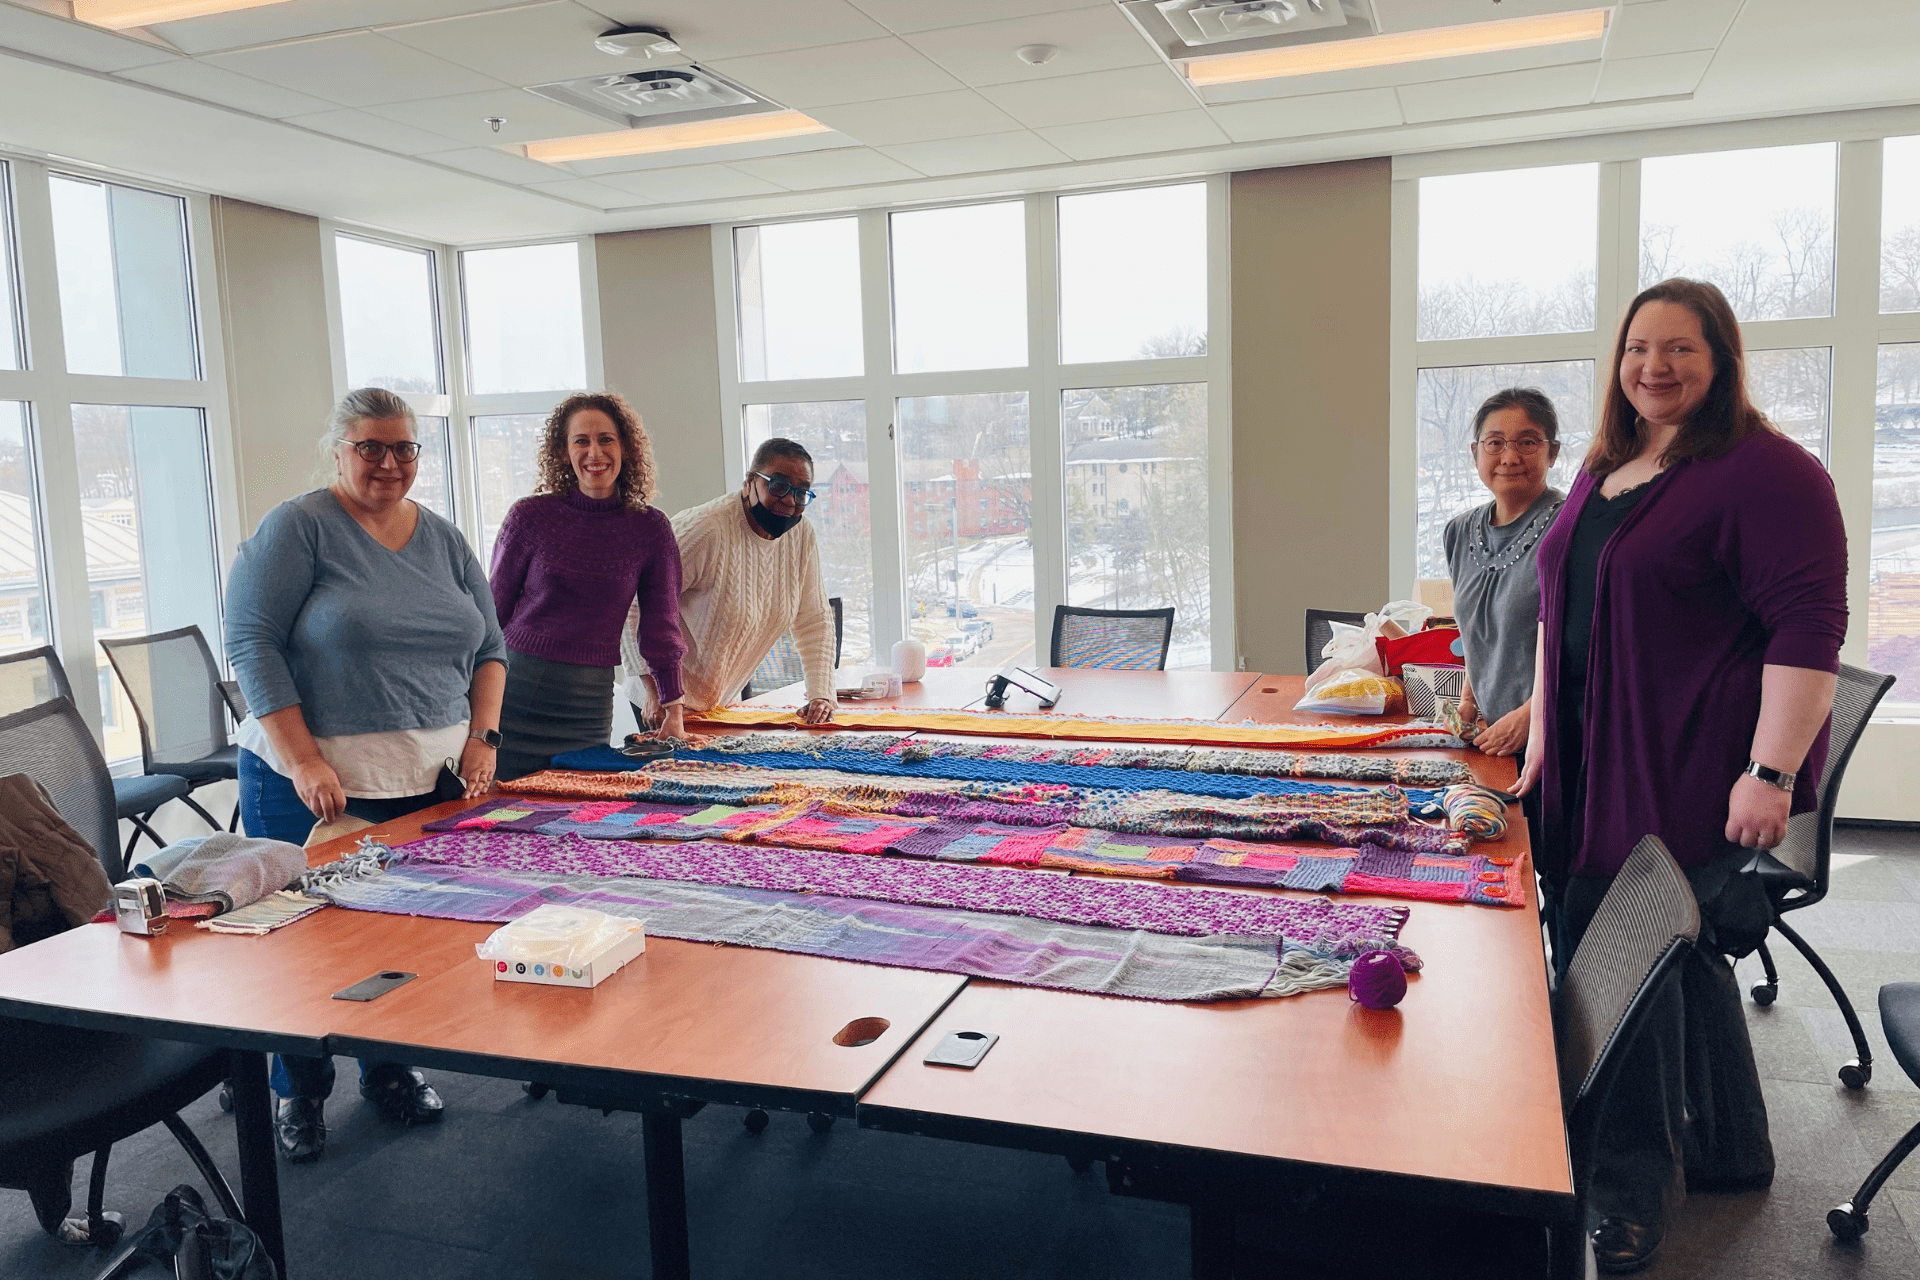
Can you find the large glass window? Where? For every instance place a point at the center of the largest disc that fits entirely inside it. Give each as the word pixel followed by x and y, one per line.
pixel 1893 609
pixel 433 477
pixel 1793 386
pixel 1759 224
pixel 388 314
pixel 11 354
pixel 523 318
pixel 1133 274
pixel 1136 480
pixel 506 455
pixel 126 301
pixel 960 288
pixel 966 466
pixel 1900 225
pixel 23 594
pixel 1508 253
pixel 799 300
pixel 835 433
pixel 1445 402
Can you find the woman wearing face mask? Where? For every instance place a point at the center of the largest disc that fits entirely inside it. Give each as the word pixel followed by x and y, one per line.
pixel 1490 550
pixel 750 572
pixel 1693 601
pixel 565 565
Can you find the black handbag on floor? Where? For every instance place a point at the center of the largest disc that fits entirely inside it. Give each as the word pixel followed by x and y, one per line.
pixel 193 1245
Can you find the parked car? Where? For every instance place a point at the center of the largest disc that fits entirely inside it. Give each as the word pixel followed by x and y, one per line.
pixel 961 644
pixel 968 609
pixel 939 657
pixel 980 629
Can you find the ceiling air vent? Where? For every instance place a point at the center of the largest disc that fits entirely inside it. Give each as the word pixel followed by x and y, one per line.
pixel 1217 21
pixel 639 98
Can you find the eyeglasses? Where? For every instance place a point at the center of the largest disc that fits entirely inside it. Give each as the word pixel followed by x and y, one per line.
pixel 779 488
pixel 375 451
pixel 1525 446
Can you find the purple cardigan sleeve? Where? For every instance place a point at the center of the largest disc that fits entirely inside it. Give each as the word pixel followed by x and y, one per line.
pixel 512 553
pixel 1791 573
pixel 659 595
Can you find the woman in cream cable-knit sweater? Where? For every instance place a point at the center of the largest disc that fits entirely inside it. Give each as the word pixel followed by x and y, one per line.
pixel 749 573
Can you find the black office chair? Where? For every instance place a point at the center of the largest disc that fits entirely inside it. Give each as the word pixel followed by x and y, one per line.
pixel 782 665
pixel 1635 944
pixel 1900 1019
pixel 1320 631
pixel 175 688
pixel 65 1091
pixel 1113 639
pixel 33 676
pixel 1797 872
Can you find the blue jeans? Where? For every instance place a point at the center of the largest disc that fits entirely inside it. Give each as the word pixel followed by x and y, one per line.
pixel 270 808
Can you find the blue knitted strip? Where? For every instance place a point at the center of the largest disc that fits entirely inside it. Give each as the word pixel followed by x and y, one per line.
pixel 1102 777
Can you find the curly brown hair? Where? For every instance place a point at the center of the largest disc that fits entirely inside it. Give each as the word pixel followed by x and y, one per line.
pixel 636 484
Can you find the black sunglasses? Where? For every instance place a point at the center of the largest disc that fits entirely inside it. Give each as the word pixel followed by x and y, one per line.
pixel 780 488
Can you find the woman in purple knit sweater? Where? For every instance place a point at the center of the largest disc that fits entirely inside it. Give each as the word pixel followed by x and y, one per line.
pixel 1692 605
pixel 566 564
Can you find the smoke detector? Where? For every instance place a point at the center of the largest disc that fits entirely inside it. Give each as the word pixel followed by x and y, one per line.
pixel 636 42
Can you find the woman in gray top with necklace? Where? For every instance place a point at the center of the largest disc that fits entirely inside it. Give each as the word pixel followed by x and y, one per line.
pixel 1490 550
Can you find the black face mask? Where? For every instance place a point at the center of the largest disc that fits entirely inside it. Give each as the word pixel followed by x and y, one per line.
pixel 773 523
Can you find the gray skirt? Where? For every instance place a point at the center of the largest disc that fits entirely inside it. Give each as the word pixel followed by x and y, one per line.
pixel 550 708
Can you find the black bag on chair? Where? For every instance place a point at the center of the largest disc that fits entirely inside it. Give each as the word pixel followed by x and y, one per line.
pixel 182 1237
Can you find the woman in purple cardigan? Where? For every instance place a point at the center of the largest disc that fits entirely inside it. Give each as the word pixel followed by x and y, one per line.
pixel 1692 605
pixel 566 564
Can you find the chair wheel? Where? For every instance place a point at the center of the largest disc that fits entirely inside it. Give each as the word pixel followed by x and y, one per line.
pixel 534 1089
pixel 226 1098
pixel 107 1232
pixel 1855 1076
pixel 1080 1164
pixel 819 1121
pixel 1765 993
pixel 756 1121
pixel 1846 1222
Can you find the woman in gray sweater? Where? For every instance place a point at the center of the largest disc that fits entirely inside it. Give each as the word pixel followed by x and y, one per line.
pixel 363 635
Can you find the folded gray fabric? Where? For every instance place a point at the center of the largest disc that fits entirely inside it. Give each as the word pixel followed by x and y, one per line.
pixel 229 870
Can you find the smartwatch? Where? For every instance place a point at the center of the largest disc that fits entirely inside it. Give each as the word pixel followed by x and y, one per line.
pixel 492 738
pixel 1775 778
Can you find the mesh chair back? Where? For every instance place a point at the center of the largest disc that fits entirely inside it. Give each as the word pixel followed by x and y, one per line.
pixel 1320 631
pixel 839 627
pixel 31 677
pixel 1644 925
pixel 51 744
pixel 1112 639
pixel 1808 848
pixel 781 666
pixel 175 689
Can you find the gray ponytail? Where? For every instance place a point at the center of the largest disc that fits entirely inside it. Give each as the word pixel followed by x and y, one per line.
pixel 364 402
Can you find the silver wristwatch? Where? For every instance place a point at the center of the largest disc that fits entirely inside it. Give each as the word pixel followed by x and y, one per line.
pixel 1774 778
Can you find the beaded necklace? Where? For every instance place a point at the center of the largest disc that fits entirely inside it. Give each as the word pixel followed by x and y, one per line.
pixel 1483 555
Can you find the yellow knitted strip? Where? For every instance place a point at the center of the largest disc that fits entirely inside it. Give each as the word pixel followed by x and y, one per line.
pixel 1069 727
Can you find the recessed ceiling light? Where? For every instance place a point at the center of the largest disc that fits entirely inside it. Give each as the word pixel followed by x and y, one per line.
pixel 121 14
pixel 759 127
pixel 1406 46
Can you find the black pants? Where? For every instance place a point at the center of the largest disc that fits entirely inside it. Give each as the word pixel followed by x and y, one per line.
pixel 1687 1103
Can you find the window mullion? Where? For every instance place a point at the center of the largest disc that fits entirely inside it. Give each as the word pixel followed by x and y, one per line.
pixel 1850 422
pixel 1044 444
pixel 1219 377
pixel 884 511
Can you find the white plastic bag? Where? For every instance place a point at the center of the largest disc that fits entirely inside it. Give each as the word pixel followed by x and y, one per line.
pixel 553 933
pixel 1352 648
pixel 1352 692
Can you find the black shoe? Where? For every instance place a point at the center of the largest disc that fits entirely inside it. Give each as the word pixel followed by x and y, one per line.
pixel 402 1095
pixel 1720 1184
pixel 301 1128
pixel 1622 1248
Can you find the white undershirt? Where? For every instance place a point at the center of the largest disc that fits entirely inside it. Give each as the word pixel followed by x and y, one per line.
pixel 373 766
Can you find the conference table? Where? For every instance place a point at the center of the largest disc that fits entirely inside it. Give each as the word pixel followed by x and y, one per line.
pixel 1450 1100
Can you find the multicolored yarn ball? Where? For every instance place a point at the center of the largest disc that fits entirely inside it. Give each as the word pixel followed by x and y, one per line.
pixel 1377 980
pixel 1475 811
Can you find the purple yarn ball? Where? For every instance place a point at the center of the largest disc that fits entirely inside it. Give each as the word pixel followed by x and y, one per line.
pixel 1377 980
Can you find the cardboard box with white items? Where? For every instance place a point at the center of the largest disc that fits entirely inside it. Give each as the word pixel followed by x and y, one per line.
pixel 559 946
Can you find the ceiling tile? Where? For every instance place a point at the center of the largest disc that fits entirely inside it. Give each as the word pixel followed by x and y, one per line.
pixel 851 167
pixel 1313 114
pixel 274 23
pixel 227 88
pixel 359 69
pixel 586 191
pixel 1669 26
pixel 708 29
pixel 358 126
pixel 925 15
pixel 1138 136
pixel 1088 40
pixel 528 117
pixel 987 154
pixel 1654 77
pixel 692 182
pixel 74 43
pixel 1418 15
pixel 805 144
pixel 535 45
pixel 864 71
pixel 1540 89
pixel 491 163
pixel 1099 95
pixel 961 113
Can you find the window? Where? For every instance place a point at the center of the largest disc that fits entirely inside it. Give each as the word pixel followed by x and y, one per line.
pixel 22 576
pixel 1893 610
pixel 1900 225
pixel 388 315
pixel 1151 550
pixel 1133 274
pixel 1508 253
pixel 523 319
pixel 433 477
pixel 506 450
pixel 109 698
pixel 126 303
pixel 798 300
pixel 1794 387
pixel 1759 224
pixel 11 354
pixel 835 433
pixel 960 288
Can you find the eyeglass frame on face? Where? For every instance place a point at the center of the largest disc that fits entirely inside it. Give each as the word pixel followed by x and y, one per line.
pixel 780 487
pixel 1525 446
pixel 380 449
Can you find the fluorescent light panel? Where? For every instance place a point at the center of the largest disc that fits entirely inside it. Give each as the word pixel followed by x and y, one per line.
pixel 759 127
pixel 118 15
pixel 1406 46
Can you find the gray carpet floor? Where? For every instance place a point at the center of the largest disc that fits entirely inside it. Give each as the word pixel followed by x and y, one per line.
pixel 510 1187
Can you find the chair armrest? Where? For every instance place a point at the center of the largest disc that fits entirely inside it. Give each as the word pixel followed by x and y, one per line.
pixel 236 701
